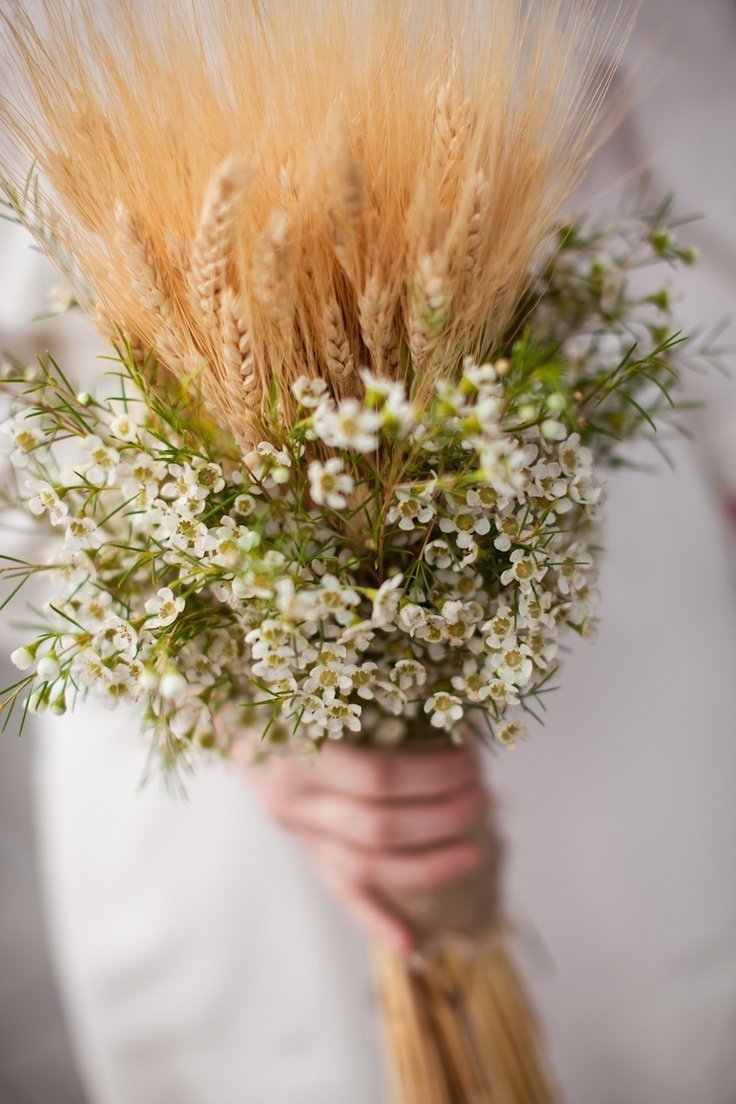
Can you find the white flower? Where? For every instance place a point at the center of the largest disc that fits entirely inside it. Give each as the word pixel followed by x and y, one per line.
pixel 294 605
pixel 349 426
pixel 337 599
pixel 102 467
pixel 81 533
pixel 309 392
pixel 410 510
pixel 120 685
pixel 500 628
pixel 193 481
pixel 386 602
pixel 391 698
pixel 433 631
pixel 513 665
pixel 244 505
pixel 329 484
pixel 512 529
pixel 364 678
pixel 116 635
pixel 26 438
pixel 408 673
pixel 46 501
pixel 397 415
pixel 445 708
pixel 388 397
pixel 481 377
pixel 358 635
pixel 574 569
pixel 379 388
pixel 526 569
pixel 508 732
pixel 333 678
pixel 503 693
pixel 337 715
pixel 89 668
pixel 268 466
pixel 124 427
pixel 438 554
pixel 474 682
pixel 229 544
pixel 164 609
pixel 460 619
pixel 412 617
pixel 139 476
pixel 541 649
pixel 504 466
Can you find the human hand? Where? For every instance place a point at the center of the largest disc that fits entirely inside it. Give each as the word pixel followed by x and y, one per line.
pixel 380 820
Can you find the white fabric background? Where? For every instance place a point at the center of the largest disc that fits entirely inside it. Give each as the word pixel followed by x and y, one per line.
pixel 200 960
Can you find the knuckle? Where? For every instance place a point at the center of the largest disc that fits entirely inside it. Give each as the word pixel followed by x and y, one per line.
pixel 379 773
pixel 380 829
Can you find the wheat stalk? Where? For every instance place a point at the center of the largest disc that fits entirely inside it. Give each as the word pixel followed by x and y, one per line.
pixel 149 284
pixel 212 248
pixel 395 203
pixel 338 357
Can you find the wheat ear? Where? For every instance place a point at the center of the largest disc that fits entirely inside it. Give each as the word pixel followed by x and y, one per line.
pixel 450 128
pixel 338 357
pixel 428 304
pixel 212 245
pixel 148 282
pixel 241 376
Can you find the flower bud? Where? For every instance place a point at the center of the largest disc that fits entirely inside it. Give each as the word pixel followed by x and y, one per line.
pixel 556 402
pixel 552 430
pixel 22 658
pixel 173 685
pixel 48 669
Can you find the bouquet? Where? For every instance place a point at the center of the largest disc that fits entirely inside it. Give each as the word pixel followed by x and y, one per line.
pixel 341 477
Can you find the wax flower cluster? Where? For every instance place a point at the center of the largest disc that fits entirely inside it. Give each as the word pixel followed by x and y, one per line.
pixel 379 567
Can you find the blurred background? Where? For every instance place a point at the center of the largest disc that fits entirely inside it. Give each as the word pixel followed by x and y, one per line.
pixel 685 123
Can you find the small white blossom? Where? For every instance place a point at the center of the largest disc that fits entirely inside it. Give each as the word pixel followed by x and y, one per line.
pixel 509 731
pixel 45 500
pixel 329 483
pixel 408 673
pixel 386 601
pixel 26 438
pixel 445 710
pixel 411 510
pixel 309 392
pixel 526 569
pixel 102 466
pixel 412 617
pixel 81 533
pixel 116 635
pixel 164 609
pixel 124 427
pixel 349 426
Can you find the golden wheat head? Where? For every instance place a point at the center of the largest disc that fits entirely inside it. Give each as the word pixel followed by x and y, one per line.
pixel 262 190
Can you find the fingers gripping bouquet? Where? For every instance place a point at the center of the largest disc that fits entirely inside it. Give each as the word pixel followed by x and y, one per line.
pixel 345 481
